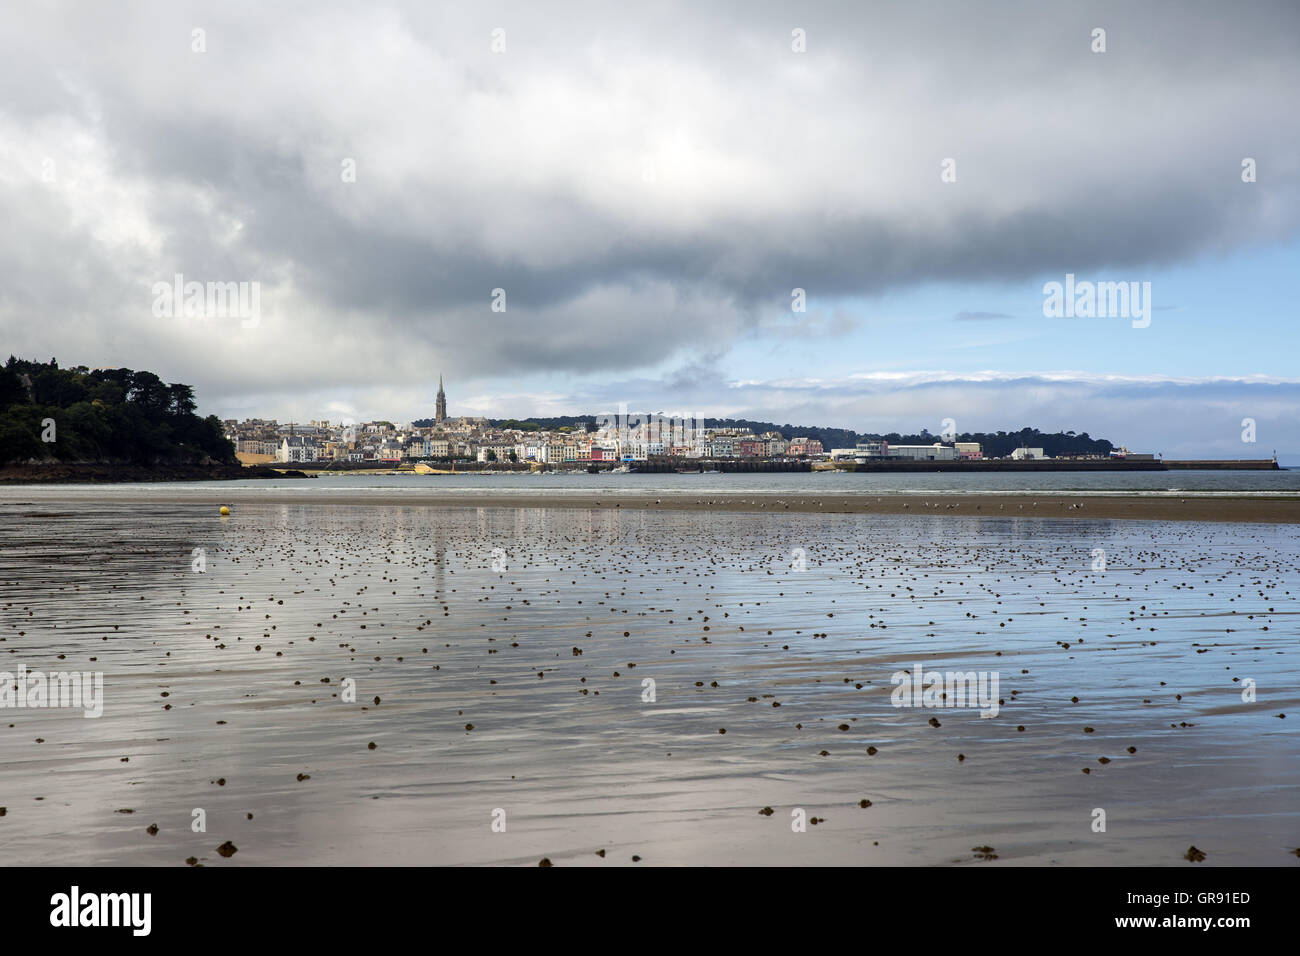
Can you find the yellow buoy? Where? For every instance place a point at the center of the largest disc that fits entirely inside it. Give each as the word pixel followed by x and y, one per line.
pixel 224 511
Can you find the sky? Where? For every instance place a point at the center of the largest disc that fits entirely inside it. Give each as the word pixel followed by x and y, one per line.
pixel 647 185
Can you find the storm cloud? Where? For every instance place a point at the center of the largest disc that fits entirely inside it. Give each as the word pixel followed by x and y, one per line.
pixel 645 185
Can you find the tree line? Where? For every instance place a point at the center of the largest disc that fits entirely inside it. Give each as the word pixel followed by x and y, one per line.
pixel 115 415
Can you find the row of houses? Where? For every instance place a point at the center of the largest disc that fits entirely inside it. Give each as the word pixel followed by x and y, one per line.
pixel 305 448
pixel 383 442
pixel 301 448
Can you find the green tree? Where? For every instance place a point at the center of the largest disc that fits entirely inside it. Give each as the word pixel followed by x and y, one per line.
pixel 108 414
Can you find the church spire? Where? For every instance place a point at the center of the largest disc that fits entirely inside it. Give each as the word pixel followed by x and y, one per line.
pixel 440 409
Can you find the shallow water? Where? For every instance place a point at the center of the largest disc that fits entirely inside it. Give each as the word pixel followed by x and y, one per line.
pixel 218 676
pixel 1282 483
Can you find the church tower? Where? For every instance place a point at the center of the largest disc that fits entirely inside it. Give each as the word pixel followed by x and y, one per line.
pixel 440 411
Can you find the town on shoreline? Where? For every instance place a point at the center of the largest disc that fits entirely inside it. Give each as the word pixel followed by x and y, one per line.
pixel 117 424
pixel 634 442
pixel 621 440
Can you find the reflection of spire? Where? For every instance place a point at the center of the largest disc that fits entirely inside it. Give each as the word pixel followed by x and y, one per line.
pixel 439 559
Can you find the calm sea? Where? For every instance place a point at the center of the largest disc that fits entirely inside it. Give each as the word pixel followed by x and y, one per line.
pixel 1183 483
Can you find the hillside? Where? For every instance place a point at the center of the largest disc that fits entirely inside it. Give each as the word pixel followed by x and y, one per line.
pixel 111 416
pixel 995 444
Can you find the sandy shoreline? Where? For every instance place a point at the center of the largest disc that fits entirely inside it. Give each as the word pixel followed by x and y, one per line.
pixel 500 659
pixel 1270 510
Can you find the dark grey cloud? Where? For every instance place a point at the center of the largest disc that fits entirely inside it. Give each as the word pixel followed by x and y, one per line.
pixel 645 185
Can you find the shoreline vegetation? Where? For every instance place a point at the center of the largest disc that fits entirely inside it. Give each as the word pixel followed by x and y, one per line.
pixel 91 420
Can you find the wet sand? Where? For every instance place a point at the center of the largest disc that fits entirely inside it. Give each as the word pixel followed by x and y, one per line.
pixel 1261 509
pixel 520 688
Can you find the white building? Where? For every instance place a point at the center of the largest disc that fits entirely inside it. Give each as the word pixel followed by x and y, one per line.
pixel 297 448
pixel 1021 454
pixel 935 452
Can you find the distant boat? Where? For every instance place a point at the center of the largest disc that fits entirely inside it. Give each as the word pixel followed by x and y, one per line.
pixel 620 470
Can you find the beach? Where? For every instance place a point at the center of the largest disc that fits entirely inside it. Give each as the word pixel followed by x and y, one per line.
pixel 551 677
pixel 1225 508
